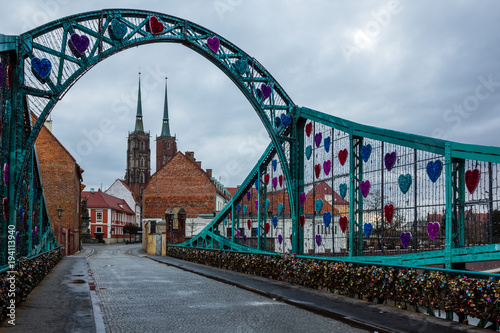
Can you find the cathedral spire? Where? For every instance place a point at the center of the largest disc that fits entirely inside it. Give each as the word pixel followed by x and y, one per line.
pixel 165 128
pixel 138 118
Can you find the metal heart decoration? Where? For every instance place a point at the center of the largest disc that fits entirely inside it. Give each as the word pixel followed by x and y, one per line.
pixel 266 179
pixel 343 223
pixel 41 68
pixel 317 170
pixel 245 209
pixel 280 209
pixel 266 204
pixel 249 224
pixel 78 44
pixel 318 240
pixel 213 44
pixel 404 182
pixel 326 143
pixel 238 208
pixel 249 195
pixel 275 164
pixel 280 239
pixel 266 90
pixel 309 151
pixel 390 160
pixel 367 228
pixel 342 156
pixel 275 182
pixel 155 26
pixel 434 170
pixel 302 198
pixel 317 139
pixel 280 180
pixel 277 122
pixel 256 204
pixel 241 66
pixel 389 212
pixel 117 29
pixel 327 218
pixel 405 239
pixel 275 221
pixel 267 227
pixel 302 220
pixel 327 166
pixel 318 204
pixel 285 120
pixel 366 151
pixel 472 179
pixel 433 229
pixel 343 190
pixel 364 186
pixel 308 129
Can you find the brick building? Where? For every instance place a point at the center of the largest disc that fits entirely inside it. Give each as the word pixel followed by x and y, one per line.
pixel 62 181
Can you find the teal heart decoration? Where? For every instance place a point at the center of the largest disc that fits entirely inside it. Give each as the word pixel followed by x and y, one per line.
pixel 117 29
pixel 267 204
pixel 318 204
pixel 367 228
pixel 41 68
pixel 309 151
pixel 327 218
pixel 241 66
pixel 343 190
pixel 245 208
pixel 280 209
pixel 404 182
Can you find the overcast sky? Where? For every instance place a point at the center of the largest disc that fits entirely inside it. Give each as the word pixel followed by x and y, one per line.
pixel 425 67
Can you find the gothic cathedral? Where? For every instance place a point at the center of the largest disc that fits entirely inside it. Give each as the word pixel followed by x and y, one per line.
pixel 166 147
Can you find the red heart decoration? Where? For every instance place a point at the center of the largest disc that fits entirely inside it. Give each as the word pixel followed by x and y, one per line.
pixel 343 223
pixel 266 178
pixel 155 26
pixel 266 227
pixel 472 179
pixel 342 156
pixel 308 129
pixel 302 220
pixel 249 224
pixel 389 211
pixel 280 179
pixel 290 238
pixel 317 170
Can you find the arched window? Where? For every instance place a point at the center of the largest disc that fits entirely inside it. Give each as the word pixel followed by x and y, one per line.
pixel 168 145
pixel 142 162
pixel 142 178
pixel 142 146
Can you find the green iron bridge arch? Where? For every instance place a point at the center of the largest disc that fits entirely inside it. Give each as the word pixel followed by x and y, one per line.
pixel 41 65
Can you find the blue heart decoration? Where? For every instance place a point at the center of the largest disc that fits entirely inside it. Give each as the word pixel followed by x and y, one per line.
pixel 343 190
pixel 241 66
pixel 434 170
pixel 309 150
pixel 238 207
pixel 117 29
pixel 275 221
pixel 404 182
pixel 41 68
pixel 280 209
pixel 318 204
pixel 326 143
pixel 267 204
pixel 275 164
pixel 368 229
pixel 366 151
pixel 285 120
pixel 277 122
pixel 245 208
pixel 327 218
pixel 257 184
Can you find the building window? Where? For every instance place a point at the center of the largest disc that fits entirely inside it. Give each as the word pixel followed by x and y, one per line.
pixel 168 145
pixel 142 162
pixel 142 178
pixel 98 216
pixel 98 229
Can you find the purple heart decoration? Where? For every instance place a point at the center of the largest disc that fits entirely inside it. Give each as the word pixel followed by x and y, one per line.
pixel 1 75
pixel 238 208
pixel 41 68
pixel 327 166
pixel 405 239
pixel 326 143
pixel 285 120
pixel 257 204
pixel 366 151
pixel 249 195
pixel 327 218
pixel 36 231
pixel 275 164
pixel 280 209
pixel 277 122
pixel 244 238
pixel 280 239
pixel 302 198
pixel 434 170
pixel 237 233
pixel 213 44
pixel 266 90
pixel 78 44
pixel 367 228
pixel 18 238
pixel 390 160
pixel 433 229
pixel 275 182
pixel 241 66
pixel 364 186
pixel 275 221
pixel 5 173
pixel 317 139
pixel 318 240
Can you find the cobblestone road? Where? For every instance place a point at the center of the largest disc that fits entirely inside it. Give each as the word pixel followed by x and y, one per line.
pixel 137 294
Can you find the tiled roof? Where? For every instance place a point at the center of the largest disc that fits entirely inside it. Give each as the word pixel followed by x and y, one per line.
pixel 102 200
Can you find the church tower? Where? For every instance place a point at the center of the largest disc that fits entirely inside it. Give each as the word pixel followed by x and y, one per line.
pixel 138 153
pixel 166 147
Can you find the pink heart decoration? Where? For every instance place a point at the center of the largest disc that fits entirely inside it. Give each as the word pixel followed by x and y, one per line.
pixel 472 179
pixel 317 170
pixel 155 26
pixel 213 44
pixel 302 220
pixel 388 212
pixel 364 186
pixel 275 182
pixel 327 166
pixel 308 129
pixel 433 229
pixel 302 198
pixel 343 223
pixel 342 156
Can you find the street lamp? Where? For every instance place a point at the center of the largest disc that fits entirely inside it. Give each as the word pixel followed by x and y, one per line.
pixel 59 214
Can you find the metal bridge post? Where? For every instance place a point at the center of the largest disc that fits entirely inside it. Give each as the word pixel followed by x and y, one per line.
pixel 355 197
pixel 297 173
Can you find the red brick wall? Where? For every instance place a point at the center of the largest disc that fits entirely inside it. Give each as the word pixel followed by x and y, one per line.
pixel 61 184
pixel 161 147
pixel 180 183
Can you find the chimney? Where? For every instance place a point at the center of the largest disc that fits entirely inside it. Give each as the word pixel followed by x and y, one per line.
pixel 190 155
pixel 209 173
pixel 198 164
